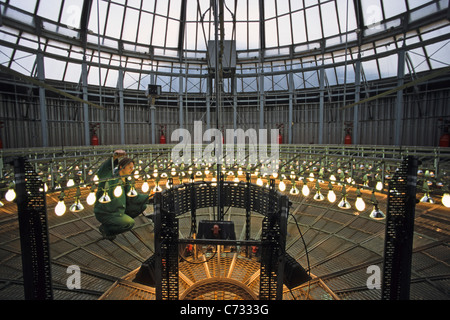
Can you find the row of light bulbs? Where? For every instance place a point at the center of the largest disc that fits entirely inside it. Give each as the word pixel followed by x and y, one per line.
pixel 60 209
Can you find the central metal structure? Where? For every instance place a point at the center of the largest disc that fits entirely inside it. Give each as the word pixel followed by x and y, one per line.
pixel 187 198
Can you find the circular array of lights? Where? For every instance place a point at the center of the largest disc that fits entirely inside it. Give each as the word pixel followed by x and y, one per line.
pixel 294 177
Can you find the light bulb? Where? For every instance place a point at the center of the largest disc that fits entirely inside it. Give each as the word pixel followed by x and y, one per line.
pixel 10 195
pixel 294 190
pixel 132 193
pixel 104 198
pixel 305 190
pixel 90 200
pixel 427 198
pixel 344 204
pixel 76 206
pixel 319 196
pixel 379 186
pixel 331 196
pixel 70 183
pixel 446 200
pixel 377 214
pixel 145 187
pixel 118 191
pixel 95 179
pixel 360 204
pixel 60 208
pixel 259 182
pixel 282 186
pixel 157 188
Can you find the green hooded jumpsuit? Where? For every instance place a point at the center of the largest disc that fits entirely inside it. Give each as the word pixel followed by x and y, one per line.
pixel 118 215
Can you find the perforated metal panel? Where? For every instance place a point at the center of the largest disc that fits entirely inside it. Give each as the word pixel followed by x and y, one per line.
pixel 399 231
pixel 32 209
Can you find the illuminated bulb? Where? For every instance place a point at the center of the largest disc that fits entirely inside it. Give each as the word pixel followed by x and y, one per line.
pixel 118 191
pixel 259 182
pixel 379 186
pixel 427 198
pixel 136 174
pixel 311 177
pixel 168 184
pixel 60 208
pixel 155 173
pixel 377 214
pixel 76 206
pixel 132 193
pixel 360 204
pixel 282 186
pixel 10 195
pixel 90 200
pixel 213 180
pixel 1 204
pixel 157 188
pixel 305 190
pixel 319 196
pixel 446 200
pixel 294 190
pixel 104 198
pixel 275 175
pixel 145 187
pixel 331 196
pixel 70 183
pixel 240 172
pixel 95 179
pixel 332 178
pixel 344 204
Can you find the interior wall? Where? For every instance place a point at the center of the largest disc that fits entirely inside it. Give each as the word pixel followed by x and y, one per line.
pixel 423 115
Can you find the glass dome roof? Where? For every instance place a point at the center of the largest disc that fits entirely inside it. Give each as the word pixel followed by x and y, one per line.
pixel 169 39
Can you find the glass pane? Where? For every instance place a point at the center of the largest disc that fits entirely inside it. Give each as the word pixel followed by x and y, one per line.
pixel 393 8
pixel 114 23
pixel 49 9
pixel 312 18
pixel 71 13
pixel 298 28
pixel 145 28
pixel 130 24
pixel 329 18
pixel 54 69
pixel 372 12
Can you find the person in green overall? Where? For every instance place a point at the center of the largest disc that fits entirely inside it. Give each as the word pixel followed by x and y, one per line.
pixel 117 216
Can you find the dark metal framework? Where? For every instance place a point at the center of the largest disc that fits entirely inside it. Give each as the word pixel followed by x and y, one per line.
pixel 399 232
pixel 188 197
pixel 33 226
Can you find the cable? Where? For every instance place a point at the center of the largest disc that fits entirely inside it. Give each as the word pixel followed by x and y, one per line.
pixel 307 256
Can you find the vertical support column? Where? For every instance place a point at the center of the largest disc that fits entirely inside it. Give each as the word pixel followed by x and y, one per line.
pixel 399 103
pixel 273 238
pixel 84 84
pixel 33 228
pixel 261 98
pixel 180 99
pixel 121 106
pixel 355 137
pixel 208 102
pixel 291 105
pixel 166 248
pixel 42 102
pixel 233 79
pixel 152 111
pixel 321 103
pixel 399 232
